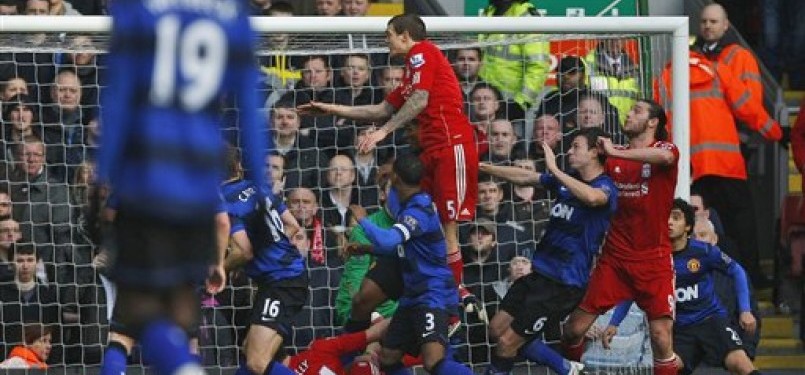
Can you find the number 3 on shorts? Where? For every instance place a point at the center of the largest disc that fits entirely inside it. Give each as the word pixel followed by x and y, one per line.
pixel 429 323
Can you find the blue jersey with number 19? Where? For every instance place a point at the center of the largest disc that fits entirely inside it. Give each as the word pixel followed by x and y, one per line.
pixel 170 63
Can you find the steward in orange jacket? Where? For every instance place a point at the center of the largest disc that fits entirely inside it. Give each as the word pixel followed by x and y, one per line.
pixel 717 99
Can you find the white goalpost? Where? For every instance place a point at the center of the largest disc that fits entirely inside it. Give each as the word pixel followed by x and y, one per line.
pixel 655 42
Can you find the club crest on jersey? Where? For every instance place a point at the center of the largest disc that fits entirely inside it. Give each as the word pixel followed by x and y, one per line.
pixel 646 173
pixel 417 60
pixel 694 265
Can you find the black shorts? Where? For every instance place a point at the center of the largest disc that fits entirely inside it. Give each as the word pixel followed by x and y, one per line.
pixel 276 304
pixel 152 254
pixel 387 274
pixel 540 305
pixel 708 341
pixel 412 327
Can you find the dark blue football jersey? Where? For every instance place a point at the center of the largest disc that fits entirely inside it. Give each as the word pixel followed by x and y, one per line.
pixel 696 298
pixel 417 239
pixel 170 64
pixel 275 258
pixel 574 233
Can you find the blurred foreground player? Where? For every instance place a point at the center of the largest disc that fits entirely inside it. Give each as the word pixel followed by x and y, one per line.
pixel 169 64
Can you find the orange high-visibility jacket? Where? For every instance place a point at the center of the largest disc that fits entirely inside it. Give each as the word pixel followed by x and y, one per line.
pixel 743 65
pixel 717 98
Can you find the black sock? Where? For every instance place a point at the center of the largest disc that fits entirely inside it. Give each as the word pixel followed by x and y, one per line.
pixel 357 325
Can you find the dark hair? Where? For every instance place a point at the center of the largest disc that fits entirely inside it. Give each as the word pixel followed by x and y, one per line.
pixel 233 159
pixel 24 249
pixel 687 211
pixel 410 23
pixel 279 7
pixel 32 331
pixel 656 111
pixel 591 135
pixel 274 153
pixel 453 53
pixel 705 203
pixel 409 169
pixel 283 103
pixel 323 58
pixel 20 100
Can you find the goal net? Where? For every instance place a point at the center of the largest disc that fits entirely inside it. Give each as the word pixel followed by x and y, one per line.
pixel 524 81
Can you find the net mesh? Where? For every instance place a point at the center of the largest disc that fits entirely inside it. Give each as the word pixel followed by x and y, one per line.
pixel 47 210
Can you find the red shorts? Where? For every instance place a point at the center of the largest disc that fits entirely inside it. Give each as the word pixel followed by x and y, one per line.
pixel 451 178
pixel 649 283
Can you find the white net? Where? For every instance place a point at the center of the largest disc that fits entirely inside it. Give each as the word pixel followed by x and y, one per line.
pixel 59 77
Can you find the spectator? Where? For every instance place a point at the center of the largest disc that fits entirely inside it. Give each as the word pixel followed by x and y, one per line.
pixel 14 86
pixel 614 75
pixel 704 211
pixel 390 77
pixel 27 299
pixel 34 352
pixel 301 157
pixel 720 65
pixel 485 102
pixel 9 8
pixel 62 8
pixel 483 265
pixel 37 7
pixel 595 111
pixel 341 193
pixel 304 205
pixel 9 235
pixel 316 85
pixel 357 89
pixel 275 172
pixel 355 8
pixel 42 205
pixel 490 200
pixel 328 8
pixel 88 67
pixel 502 142
pixel 546 129
pixel 5 203
pixel 467 64
pixel 530 205
pixel 564 101
pixel 366 165
pixel 783 47
pixel 280 72
pixel 517 70
pixel 62 122
pixel 20 119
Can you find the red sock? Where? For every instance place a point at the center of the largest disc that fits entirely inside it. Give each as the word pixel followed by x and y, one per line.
pixel 411 361
pixel 574 352
pixel 665 366
pixel 456 265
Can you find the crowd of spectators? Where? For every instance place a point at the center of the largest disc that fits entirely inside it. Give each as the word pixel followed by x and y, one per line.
pixel 50 271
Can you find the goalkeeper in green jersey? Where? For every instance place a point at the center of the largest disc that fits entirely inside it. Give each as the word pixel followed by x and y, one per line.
pixel 370 284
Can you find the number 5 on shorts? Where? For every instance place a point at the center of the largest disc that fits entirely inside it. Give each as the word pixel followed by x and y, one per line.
pixel 451 209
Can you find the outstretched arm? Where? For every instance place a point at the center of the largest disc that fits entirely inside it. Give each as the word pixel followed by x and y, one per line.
pixel 515 175
pixel 590 196
pixel 372 112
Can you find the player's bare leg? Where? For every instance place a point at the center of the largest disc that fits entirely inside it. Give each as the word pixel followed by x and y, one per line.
pixel 737 362
pixel 573 333
pixel 369 296
pixel 661 333
pixel 260 346
pixel 499 324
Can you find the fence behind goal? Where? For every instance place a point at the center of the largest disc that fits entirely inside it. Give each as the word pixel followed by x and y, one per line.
pixel 341 60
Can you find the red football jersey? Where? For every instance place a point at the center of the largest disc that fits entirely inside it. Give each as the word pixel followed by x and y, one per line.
pixel 324 355
pixel 639 229
pixel 442 123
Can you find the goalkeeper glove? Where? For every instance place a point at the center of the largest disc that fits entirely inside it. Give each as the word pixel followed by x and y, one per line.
pixel 472 304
